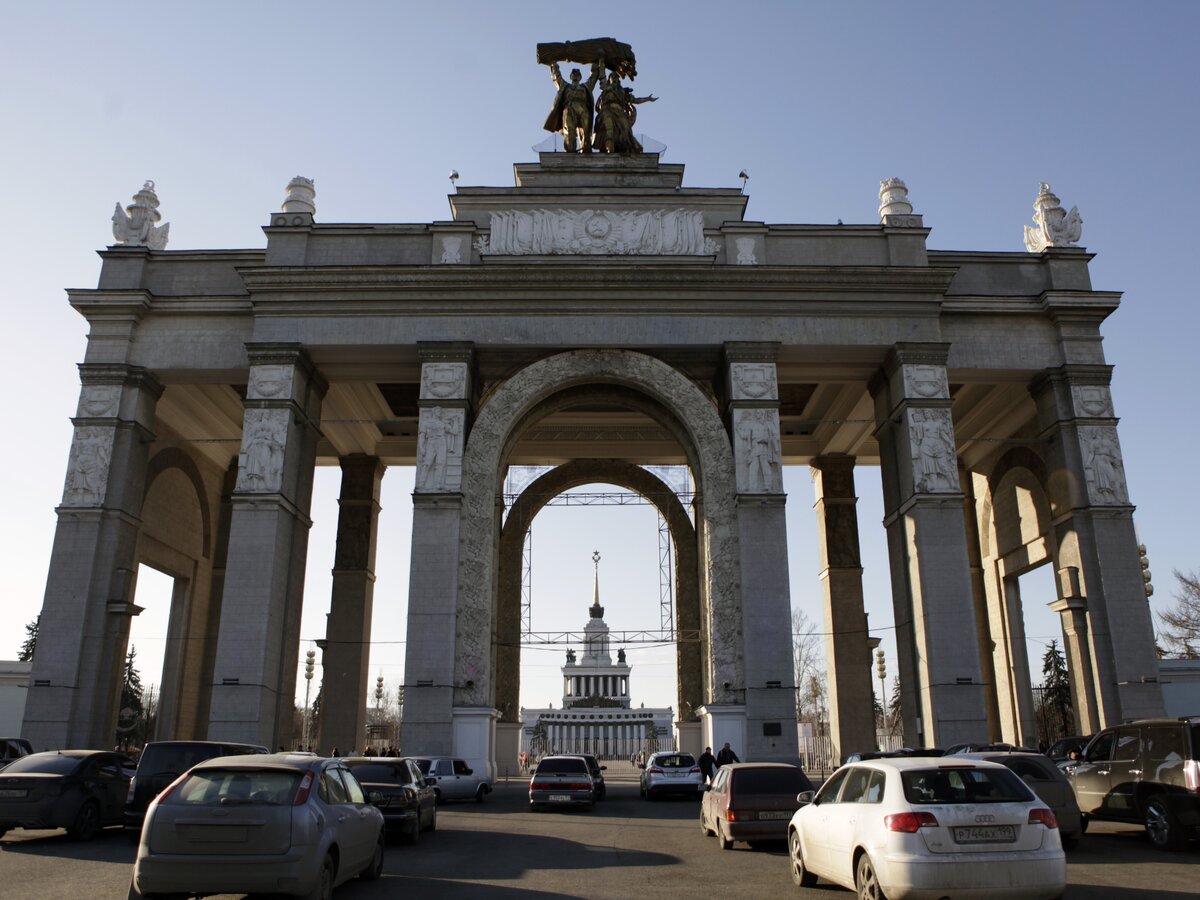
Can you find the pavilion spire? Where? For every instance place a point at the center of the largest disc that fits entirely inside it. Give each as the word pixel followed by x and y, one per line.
pixel 597 610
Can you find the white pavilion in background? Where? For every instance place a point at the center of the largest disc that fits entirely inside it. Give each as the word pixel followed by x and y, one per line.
pixel 597 715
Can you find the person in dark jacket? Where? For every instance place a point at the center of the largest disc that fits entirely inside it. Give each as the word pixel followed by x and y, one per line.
pixel 725 756
pixel 708 764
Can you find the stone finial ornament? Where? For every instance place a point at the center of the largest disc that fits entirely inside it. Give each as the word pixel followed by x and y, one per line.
pixel 135 225
pixel 1052 225
pixel 893 199
pixel 300 195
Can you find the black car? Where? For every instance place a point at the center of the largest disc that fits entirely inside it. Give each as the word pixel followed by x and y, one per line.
pixel 79 790
pixel 162 762
pixel 1146 771
pixel 597 772
pixel 396 786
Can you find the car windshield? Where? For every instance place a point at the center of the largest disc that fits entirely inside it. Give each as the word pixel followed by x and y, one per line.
pixel 176 758
pixel 784 780
pixel 561 766
pixel 382 773
pixel 675 761
pixel 44 763
pixel 963 785
pixel 226 787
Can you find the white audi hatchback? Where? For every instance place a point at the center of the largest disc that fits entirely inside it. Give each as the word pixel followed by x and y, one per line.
pixel 909 829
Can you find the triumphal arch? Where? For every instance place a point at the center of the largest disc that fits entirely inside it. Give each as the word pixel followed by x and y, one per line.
pixel 597 316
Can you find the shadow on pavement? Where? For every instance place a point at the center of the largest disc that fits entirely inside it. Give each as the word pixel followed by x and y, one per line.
pixel 110 845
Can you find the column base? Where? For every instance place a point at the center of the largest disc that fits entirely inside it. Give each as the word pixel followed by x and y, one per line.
pixel 689 737
pixel 474 730
pixel 508 748
pixel 724 724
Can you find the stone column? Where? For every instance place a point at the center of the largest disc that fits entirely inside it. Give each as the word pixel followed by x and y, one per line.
pixel 254 677
pixel 930 568
pixel 433 572
pixel 847 652
pixel 1072 609
pixel 75 683
pixel 347 649
pixel 753 410
pixel 1093 526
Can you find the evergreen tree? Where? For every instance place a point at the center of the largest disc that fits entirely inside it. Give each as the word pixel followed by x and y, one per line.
pixel 132 710
pixel 25 654
pixel 1056 693
pixel 896 707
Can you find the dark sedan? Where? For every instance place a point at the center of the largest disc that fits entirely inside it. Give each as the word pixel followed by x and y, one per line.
pixel 396 786
pixel 79 790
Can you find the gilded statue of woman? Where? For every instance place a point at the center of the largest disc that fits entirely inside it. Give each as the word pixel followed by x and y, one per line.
pixel 615 116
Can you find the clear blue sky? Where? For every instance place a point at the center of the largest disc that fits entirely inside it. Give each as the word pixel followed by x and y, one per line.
pixel 972 104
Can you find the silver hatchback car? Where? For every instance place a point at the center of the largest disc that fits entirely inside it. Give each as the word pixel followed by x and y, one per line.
pixel 671 772
pixel 271 823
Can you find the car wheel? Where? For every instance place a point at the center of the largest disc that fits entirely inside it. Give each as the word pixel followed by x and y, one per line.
pixel 323 889
pixel 480 793
pixel 704 829
pixel 725 843
pixel 801 876
pixel 1162 827
pixel 375 868
pixel 87 822
pixel 866 881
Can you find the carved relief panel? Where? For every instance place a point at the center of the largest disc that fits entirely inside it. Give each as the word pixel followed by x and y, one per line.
pixel 440 449
pixel 264 439
pixel 443 381
pixel 934 454
pixel 1091 401
pixel 1103 466
pixel 270 383
pixel 926 382
pixel 87 470
pixel 99 401
pixel 753 381
pixel 757 452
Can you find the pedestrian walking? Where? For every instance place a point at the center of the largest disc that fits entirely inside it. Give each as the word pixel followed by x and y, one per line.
pixel 708 764
pixel 725 756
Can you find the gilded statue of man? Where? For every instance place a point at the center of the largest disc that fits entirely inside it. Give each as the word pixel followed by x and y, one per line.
pixel 572 112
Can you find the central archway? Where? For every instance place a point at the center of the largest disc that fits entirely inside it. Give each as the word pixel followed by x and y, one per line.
pixel 689 668
pixel 705 441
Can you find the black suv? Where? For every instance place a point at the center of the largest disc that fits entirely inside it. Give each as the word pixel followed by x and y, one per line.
pixel 162 762
pixel 597 773
pixel 1145 771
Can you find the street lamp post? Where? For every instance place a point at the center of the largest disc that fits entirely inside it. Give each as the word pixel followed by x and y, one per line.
pixel 310 659
pixel 881 671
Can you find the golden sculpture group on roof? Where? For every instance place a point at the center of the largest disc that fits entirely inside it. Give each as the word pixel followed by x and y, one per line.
pixel 604 125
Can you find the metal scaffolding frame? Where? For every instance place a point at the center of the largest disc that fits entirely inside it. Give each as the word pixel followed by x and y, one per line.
pixel 676 478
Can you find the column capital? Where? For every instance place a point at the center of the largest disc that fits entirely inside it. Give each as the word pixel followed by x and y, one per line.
pixel 911 353
pixel 445 351
pixel 751 351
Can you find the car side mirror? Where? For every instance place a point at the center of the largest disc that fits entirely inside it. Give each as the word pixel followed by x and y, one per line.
pixel 375 798
pixel 806 797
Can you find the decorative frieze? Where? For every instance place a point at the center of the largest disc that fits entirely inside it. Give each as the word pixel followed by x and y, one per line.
pixel 87 470
pixel 451 250
pixel 260 461
pixel 1103 466
pixel 934 455
pixel 745 252
pixel 660 232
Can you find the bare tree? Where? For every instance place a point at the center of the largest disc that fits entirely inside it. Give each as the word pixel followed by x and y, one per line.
pixel 1181 623
pixel 809 657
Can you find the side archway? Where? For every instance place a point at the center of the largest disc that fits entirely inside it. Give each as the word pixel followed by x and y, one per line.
pixel 507 667
pixel 483 459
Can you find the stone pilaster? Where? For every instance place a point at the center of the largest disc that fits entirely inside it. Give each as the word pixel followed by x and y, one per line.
pixel 75 684
pixel 927 548
pixel 347 651
pixel 1072 609
pixel 753 416
pixel 429 679
pixel 1093 524
pixel 254 677
pixel 847 652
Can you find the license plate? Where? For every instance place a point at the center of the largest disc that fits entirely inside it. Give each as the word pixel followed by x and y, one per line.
pixel 775 814
pixel 560 798
pixel 986 834
pixel 12 793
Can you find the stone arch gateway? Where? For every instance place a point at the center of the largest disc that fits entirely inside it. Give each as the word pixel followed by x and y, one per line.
pixel 598 309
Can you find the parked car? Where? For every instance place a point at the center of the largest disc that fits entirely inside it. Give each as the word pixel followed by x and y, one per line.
pixel 902 753
pixel 916 828
pixel 751 802
pixel 670 772
pixel 561 781
pixel 1146 771
pixel 597 772
pixel 273 823
pixel 161 762
pixel 1068 750
pixel 453 779
pixel 984 746
pixel 397 787
pixel 1049 783
pixel 79 790
pixel 13 748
